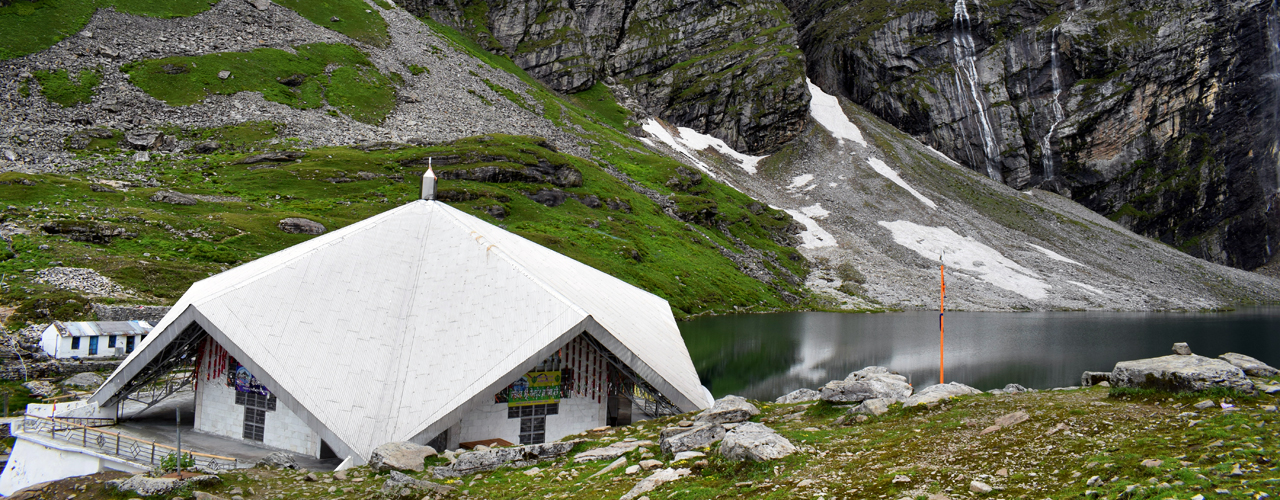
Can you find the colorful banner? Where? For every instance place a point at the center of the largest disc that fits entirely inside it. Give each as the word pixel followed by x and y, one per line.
pixel 239 377
pixel 535 388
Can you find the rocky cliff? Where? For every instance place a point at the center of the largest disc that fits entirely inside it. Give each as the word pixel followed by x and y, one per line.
pixel 728 69
pixel 1162 115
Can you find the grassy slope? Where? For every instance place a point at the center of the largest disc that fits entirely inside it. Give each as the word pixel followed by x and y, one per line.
pixel 939 450
pixel 60 87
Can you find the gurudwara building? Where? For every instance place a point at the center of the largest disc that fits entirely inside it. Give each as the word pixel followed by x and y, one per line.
pixel 421 324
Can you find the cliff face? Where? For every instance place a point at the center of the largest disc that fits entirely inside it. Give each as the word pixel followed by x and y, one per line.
pixel 1163 115
pixel 728 69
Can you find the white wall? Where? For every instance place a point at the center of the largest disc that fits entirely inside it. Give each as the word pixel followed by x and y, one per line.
pixel 217 413
pixel 60 347
pixel 489 421
pixel 34 462
pixel 49 340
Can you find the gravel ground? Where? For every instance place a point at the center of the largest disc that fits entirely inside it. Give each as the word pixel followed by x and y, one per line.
pixel 82 280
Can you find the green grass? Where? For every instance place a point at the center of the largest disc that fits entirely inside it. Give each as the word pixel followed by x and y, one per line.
pixel 27 27
pixel 59 86
pixel 599 100
pixel 355 87
pixel 353 21
pixel 418 70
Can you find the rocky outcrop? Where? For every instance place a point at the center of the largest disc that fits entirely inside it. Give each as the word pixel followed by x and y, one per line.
pixel 677 439
pixel 1159 114
pixel 1250 365
pixel 755 442
pixel 1180 373
pixel 872 382
pixel 728 69
pixel 799 396
pixel 400 455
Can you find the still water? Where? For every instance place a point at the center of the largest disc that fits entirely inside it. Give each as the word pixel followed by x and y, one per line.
pixel 763 356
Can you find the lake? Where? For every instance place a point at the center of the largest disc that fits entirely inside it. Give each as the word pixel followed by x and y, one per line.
pixel 763 356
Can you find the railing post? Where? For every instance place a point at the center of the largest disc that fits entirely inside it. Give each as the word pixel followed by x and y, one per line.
pixel 117 444
pixel 153 452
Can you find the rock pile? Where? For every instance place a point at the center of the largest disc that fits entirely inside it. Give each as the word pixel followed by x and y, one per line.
pixel 79 279
pixel 727 421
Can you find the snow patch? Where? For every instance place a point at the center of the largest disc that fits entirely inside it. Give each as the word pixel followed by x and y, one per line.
pixel 815 211
pixel 826 109
pixel 883 169
pixel 942 156
pixel 970 255
pixel 799 181
pixel 690 140
pixel 814 236
pixel 1088 288
pixel 1053 255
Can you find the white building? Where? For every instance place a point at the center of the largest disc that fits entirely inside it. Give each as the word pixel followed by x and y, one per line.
pixel 420 324
pixel 93 339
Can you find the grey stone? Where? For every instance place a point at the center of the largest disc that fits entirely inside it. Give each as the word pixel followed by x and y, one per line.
pixel 677 439
pixel 799 396
pixel 271 156
pixel 873 382
pixel 224 74
pixel 85 380
pixel 279 460
pixel 688 455
pixel 979 487
pixel 652 482
pixel 40 388
pixel 1180 373
pixel 299 225
pixel 260 4
pixel 143 140
pixel 1014 389
pixel 399 455
pixel 727 410
pixel 1088 379
pixel 173 198
pixel 650 464
pixel 756 442
pixel 205 147
pixel 875 407
pixel 145 486
pixel 1181 349
pixel 397 482
pixel 1250 365
pixel 200 495
pixel 472 462
pixel 610 452
pixel 1208 403
pixel 621 461
pixel 938 392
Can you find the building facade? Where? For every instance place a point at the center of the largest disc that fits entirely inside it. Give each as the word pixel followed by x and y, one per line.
pixel 93 339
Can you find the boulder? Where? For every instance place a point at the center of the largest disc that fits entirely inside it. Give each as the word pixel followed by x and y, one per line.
pixel 653 482
pixel 271 156
pixel 260 4
pixel 873 382
pixel 1088 379
pixel 278 460
pixel 874 407
pixel 677 439
pixel 1014 389
pixel 799 396
pixel 621 461
pixel 399 455
pixel 939 392
pixel 1180 373
pixel 472 462
pixel 299 225
pixel 1250 365
pixel 205 147
pixel 173 198
pixel 728 410
pixel 610 452
pixel 145 486
pixel 143 140
pixel 400 485
pixel 755 442
pixel 86 380
pixel 1181 349
pixel 40 388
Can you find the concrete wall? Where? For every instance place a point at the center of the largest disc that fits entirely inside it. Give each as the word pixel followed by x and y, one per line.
pixel 217 413
pixel 489 421
pixel 34 462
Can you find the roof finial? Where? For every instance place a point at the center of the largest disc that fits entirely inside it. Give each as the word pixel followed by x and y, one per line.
pixel 429 183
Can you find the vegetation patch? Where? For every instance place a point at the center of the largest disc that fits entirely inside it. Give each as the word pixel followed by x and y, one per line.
pixel 30 26
pixel 353 18
pixel 60 87
pixel 299 80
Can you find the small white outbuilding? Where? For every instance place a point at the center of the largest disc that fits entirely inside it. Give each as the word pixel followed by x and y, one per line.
pixel 420 324
pixel 92 339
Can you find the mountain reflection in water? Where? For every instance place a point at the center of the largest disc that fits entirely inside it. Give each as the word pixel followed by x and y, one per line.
pixel 763 356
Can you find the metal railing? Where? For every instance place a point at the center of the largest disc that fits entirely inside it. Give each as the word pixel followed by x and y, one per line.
pixel 149 453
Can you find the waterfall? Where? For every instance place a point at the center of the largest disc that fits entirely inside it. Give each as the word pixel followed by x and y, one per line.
pixel 967 75
pixel 1273 36
pixel 1046 146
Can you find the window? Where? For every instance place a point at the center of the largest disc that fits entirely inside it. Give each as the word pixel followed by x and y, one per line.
pixel 111 341
pixel 256 407
pixel 128 343
pixel 75 342
pixel 533 420
pixel 93 345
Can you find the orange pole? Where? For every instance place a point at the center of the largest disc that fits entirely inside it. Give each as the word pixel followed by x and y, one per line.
pixel 942 330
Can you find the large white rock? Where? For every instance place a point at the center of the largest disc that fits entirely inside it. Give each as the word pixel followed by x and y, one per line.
pixel 799 396
pixel 873 382
pixel 677 439
pixel 874 407
pixel 652 482
pixel 939 392
pixel 755 442
pixel 1180 373
pixel 1250 365
pixel 399 455
pixel 728 410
